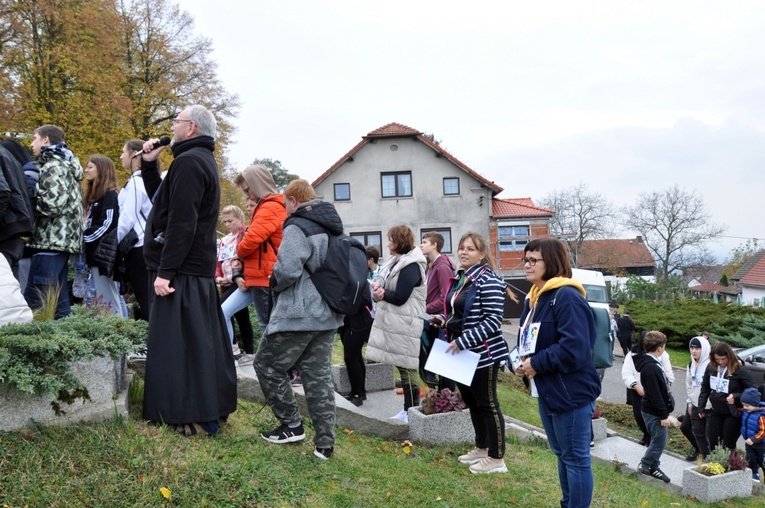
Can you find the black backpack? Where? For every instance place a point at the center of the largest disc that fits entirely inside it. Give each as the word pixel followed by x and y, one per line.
pixel 341 280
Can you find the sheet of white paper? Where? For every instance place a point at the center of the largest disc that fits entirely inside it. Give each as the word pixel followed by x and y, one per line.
pixel 459 367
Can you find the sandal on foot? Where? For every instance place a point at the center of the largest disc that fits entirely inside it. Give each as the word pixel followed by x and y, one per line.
pixel 194 429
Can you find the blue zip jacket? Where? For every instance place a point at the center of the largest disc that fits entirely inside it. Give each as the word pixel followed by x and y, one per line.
pixel 566 378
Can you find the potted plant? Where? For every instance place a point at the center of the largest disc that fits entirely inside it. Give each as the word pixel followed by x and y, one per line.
pixel 723 475
pixel 442 419
pixel 47 366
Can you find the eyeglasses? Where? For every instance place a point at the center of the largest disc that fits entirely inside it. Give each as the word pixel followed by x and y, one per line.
pixel 531 261
pixel 178 120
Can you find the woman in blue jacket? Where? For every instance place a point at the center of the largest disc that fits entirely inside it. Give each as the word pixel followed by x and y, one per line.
pixel 555 342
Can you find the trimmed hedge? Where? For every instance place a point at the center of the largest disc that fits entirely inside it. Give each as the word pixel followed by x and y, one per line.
pixel 682 319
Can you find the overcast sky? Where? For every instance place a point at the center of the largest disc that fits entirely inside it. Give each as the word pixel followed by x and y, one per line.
pixel 625 96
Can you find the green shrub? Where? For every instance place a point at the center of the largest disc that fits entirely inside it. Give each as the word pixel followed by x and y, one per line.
pixel 34 357
pixel 682 319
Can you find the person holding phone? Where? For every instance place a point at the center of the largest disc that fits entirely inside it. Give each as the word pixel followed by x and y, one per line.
pixel 474 308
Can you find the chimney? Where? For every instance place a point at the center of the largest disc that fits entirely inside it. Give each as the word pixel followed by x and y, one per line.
pixel 639 239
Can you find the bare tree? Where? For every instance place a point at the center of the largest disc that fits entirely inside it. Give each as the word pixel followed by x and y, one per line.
pixel 580 214
pixel 675 225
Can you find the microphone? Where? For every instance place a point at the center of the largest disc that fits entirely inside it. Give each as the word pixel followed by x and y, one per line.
pixel 163 141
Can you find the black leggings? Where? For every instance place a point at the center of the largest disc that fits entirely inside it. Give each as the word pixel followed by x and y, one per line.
pixel 695 430
pixel 722 428
pixel 485 413
pixel 242 318
pixel 353 342
pixel 637 404
pixel 138 277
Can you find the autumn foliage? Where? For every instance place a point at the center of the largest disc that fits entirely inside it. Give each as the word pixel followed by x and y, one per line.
pixel 105 71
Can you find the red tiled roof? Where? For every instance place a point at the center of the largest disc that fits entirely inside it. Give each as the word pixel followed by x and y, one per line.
pixel 755 276
pixel 518 207
pixel 709 287
pixel 750 263
pixel 618 253
pixel 393 130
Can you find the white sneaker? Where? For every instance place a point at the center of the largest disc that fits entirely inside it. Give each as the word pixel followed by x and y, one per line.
pixel 402 415
pixel 474 455
pixel 488 466
pixel 245 360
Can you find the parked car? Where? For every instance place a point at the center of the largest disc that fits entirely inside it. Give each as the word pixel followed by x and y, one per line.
pixel 754 359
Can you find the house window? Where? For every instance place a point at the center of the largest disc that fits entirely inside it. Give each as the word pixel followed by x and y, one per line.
pixel 371 238
pixel 445 232
pixel 397 185
pixel 451 186
pixel 513 237
pixel 342 192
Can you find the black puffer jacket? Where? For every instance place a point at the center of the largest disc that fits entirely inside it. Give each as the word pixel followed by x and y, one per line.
pixel 16 216
pixel 739 381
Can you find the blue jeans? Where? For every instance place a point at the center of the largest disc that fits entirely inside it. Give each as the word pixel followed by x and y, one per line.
pixel 659 437
pixel 260 296
pixel 48 271
pixel 569 437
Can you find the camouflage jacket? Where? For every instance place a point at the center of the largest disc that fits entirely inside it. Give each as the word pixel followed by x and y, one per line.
pixel 59 208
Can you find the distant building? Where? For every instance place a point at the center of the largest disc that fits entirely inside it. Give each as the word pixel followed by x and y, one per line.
pixel 698 275
pixel 618 257
pixel 750 278
pixel 514 223
pixel 397 175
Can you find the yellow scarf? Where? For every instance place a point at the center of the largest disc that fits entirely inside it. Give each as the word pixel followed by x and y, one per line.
pixel 554 283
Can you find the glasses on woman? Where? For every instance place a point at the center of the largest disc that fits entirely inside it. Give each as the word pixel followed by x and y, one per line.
pixel 531 261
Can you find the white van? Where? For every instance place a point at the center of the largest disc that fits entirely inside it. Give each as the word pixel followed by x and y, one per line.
pixel 595 285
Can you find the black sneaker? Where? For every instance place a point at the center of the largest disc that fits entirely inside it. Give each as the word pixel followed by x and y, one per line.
pixel 323 453
pixel 654 473
pixel 284 434
pixel 691 457
pixel 356 400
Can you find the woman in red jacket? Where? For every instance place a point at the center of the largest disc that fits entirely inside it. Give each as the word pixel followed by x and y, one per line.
pixel 258 248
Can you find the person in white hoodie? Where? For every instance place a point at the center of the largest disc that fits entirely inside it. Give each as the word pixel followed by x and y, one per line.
pixel 693 427
pixel 631 378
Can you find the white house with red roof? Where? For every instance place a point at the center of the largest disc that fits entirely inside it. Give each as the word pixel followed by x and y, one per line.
pixel 752 284
pixel 397 175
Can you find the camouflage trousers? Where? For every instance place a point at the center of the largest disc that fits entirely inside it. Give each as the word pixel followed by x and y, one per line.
pixel 311 354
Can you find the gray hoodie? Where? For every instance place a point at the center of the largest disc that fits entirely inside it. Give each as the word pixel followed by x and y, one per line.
pixel 298 306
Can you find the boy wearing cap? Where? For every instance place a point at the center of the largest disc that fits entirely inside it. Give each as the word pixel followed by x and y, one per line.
pixel 753 430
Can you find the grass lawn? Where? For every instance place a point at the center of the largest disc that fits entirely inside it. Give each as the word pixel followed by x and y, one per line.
pixel 128 463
